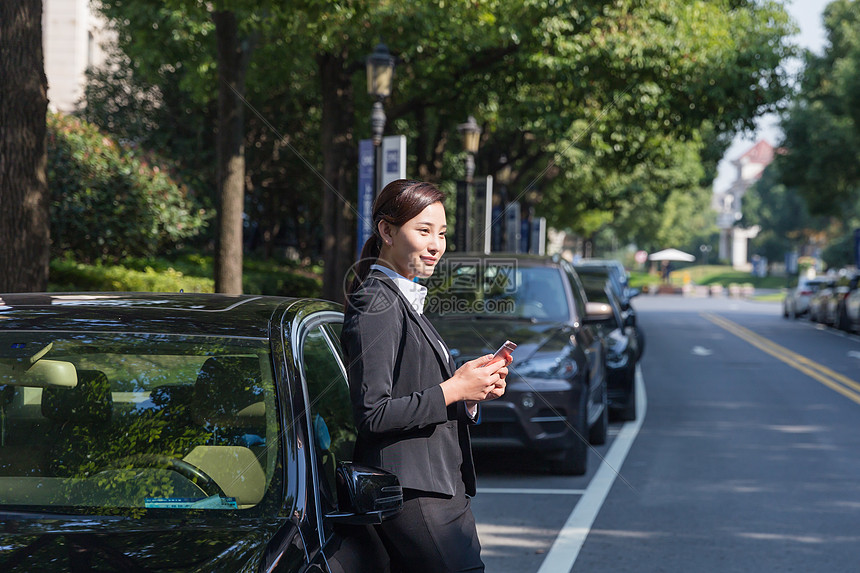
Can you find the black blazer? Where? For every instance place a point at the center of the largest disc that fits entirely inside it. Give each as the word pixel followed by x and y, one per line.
pixel 395 365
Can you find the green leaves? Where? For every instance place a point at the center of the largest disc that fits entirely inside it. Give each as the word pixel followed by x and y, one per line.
pixel 822 128
pixel 594 102
pixel 109 201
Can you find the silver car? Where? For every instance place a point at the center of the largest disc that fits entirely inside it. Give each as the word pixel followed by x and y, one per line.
pixel 796 301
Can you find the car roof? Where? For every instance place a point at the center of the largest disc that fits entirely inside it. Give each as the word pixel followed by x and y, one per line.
pixel 169 313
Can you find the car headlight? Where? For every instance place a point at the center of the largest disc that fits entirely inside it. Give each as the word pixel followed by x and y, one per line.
pixel 547 368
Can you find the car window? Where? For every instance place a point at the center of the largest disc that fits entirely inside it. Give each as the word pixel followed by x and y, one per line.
pixel 113 421
pixel 330 413
pixel 595 291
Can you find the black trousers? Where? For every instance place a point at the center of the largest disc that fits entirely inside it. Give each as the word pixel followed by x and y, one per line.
pixel 433 534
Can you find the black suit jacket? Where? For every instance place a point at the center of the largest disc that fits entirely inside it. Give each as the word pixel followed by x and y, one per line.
pixel 395 364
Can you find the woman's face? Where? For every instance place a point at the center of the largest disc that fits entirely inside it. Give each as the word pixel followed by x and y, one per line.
pixel 414 248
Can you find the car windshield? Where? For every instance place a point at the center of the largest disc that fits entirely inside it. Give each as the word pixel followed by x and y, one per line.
pixel 498 289
pixel 104 422
pixel 604 273
pixel 595 289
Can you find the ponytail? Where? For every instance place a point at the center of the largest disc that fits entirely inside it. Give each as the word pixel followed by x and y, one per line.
pixel 369 254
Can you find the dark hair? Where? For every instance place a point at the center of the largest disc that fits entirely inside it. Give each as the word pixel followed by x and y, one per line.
pixel 397 203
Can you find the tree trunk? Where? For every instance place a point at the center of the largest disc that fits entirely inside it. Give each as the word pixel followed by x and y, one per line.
pixel 24 202
pixel 232 64
pixel 339 165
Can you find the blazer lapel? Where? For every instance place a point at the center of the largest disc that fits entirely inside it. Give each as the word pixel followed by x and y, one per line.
pixel 422 322
pixel 446 355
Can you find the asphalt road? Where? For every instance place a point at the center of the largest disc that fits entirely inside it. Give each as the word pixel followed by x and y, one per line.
pixel 746 458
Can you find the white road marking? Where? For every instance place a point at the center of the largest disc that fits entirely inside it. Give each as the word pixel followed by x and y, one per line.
pixel 531 491
pixel 564 551
pixel 701 351
pixel 854 354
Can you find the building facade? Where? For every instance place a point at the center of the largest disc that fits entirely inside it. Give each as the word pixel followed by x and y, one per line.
pixel 72 38
pixel 728 205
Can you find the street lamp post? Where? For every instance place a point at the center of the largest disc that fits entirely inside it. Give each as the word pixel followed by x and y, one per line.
pixel 380 73
pixel 471 132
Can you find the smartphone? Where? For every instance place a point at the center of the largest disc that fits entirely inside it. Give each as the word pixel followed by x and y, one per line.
pixel 504 350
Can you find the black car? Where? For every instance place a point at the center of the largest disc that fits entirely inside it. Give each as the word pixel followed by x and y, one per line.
pixel 622 347
pixel 555 401
pixel 611 271
pixel 181 432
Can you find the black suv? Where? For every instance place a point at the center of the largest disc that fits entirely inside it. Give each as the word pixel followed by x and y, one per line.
pixel 555 402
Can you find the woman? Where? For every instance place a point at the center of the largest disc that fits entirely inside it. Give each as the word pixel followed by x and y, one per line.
pixel 411 407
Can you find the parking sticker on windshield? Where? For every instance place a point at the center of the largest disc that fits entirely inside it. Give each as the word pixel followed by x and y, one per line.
pixel 212 502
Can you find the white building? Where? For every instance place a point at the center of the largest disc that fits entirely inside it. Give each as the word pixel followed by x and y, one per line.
pixel 72 36
pixel 727 204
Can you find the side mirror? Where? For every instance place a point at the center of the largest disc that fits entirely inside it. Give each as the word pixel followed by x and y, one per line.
pixel 366 495
pixel 597 312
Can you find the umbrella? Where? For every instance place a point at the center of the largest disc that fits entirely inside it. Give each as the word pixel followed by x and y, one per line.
pixel 671 255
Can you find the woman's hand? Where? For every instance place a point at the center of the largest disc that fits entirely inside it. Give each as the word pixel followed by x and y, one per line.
pixel 477 380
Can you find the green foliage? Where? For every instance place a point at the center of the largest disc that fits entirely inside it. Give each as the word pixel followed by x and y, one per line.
pixel 67 275
pixel 109 200
pixel 839 253
pixel 822 128
pixel 604 109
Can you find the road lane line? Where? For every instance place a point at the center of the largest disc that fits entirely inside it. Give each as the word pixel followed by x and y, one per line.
pixel 565 549
pixel 729 325
pixel 530 491
pixel 833 380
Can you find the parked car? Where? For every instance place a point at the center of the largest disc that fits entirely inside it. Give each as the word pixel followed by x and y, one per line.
pixel 622 347
pixel 797 297
pixel 609 270
pixel 181 432
pixel 819 302
pixel 616 266
pixel 849 312
pixel 555 402
pixel 844 287
pixel 617 275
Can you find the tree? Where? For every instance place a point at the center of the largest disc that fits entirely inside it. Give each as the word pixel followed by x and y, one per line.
pixel 597 104
pixel 822 127
pixel 235 38
pixel 784 217
pixel 24 226
pixel 233 54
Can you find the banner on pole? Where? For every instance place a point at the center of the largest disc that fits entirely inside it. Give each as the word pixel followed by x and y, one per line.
pixel 393 159
pixel 366 171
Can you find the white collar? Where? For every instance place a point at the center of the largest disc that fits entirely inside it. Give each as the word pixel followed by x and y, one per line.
pixel 415 293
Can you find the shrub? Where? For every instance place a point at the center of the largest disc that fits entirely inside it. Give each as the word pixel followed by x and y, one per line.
pixel 68 275
pixel 108 201
pixel 189 273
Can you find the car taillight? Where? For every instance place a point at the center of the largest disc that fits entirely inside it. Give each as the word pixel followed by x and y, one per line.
pixel 805 293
